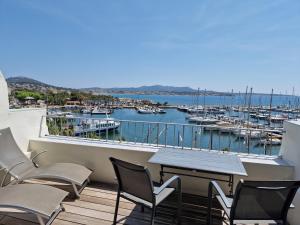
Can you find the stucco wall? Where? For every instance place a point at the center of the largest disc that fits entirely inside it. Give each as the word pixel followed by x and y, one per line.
pixel 96 156
pixel 290 151
pixel 25 123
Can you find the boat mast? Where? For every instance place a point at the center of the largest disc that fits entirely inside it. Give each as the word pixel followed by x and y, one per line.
pixel 204 103
pixel 270 109
pixel 249 106
pixel 231 102
pixel 245 105
pixel 198 93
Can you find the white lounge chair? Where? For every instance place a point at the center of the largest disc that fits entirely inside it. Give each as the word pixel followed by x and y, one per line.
pixel 43 201
pixel 22 168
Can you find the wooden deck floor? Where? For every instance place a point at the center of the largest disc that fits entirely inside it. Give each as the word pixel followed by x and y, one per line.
pixel 96 207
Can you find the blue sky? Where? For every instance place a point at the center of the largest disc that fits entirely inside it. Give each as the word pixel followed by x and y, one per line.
pixel 213 44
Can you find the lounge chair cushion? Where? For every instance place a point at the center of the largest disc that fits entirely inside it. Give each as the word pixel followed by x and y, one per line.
pixel 34 198
pixel 67 171
pixel 159 198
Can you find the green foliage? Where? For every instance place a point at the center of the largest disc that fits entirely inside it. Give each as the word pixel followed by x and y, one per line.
pixel 225 150
pixel 22 94
pixel 60 126
pixel 60 98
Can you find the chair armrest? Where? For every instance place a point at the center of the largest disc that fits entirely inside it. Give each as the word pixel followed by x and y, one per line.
pixel 213 185
pixel 167 183
pixel 8 171
pixel 36 156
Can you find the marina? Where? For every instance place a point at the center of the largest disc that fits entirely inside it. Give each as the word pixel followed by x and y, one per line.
pixel 227 131
pixel 237 123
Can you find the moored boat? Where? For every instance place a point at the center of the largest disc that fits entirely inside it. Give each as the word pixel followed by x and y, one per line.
pixel 96 126
pixel 101 111
pixel 145 110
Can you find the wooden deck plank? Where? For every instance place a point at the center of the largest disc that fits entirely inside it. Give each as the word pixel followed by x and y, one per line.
pixel 97 204
pixel 7 220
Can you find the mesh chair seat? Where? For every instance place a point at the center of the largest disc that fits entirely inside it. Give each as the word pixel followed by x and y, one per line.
pixel 256 201
pixel 135 184
pixel 159 198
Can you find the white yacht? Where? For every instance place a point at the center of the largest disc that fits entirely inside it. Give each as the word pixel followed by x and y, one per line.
pixel 101 111
pixel 252 134
pixel 272 142
pixel 145 111
pixel 203 120
pixel 86 111
pixel 160 111
pixel 279 118
pixel 97 126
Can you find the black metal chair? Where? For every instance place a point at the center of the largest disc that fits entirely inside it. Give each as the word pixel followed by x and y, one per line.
pixel 135 184
pixel 255 201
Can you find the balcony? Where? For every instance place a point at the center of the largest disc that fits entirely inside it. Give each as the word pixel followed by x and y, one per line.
pixel 96 206
pixel 29 127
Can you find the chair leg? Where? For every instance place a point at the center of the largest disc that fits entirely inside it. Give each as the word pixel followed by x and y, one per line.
pixel 153 215
pixel 40 219
pixel 208 220
pixel 75 190
pixel 179 206
pixel 116 209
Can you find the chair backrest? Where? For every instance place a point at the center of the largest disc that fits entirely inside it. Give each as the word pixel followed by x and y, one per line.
pixel 133 179
pixel 11 154
pixel 263 200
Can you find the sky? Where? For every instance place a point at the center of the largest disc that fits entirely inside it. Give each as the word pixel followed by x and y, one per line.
pixel 214 44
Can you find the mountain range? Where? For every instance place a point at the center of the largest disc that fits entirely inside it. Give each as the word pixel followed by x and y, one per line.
pixel 29 83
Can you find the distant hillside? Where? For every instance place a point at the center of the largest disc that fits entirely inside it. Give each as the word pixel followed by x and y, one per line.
pixel 157 88
pixel 25 80
pixel 32 84
pixel 144 89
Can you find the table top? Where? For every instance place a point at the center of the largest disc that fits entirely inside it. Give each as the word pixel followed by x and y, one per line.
pixel 214 162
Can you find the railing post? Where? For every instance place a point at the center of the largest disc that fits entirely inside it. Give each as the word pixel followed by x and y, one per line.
pixel 114 132
pixel 200 141
pixel 192 144
pixel 148 134
pixel 229 136
pixel 142 136
pixel 211 140
pixel 41 125
pixel 183 135
pixel 239 138
pixel 121 131
pixel 107 130
pixel 174 135
pixel 61 130
pixel 271 145
pixel 219 138
pixel 99 131
pixel 135 137
pixel 157 141
pixel 248 144
pixel 166 133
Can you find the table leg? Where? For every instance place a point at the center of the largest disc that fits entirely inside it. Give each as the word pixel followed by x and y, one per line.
pixel 161 174
pixel 231 184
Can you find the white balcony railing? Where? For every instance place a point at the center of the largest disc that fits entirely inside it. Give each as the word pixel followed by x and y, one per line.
pixel 188 136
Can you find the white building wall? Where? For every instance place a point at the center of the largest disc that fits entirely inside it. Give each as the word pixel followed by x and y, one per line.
pixel 290 152
pixel 25 123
